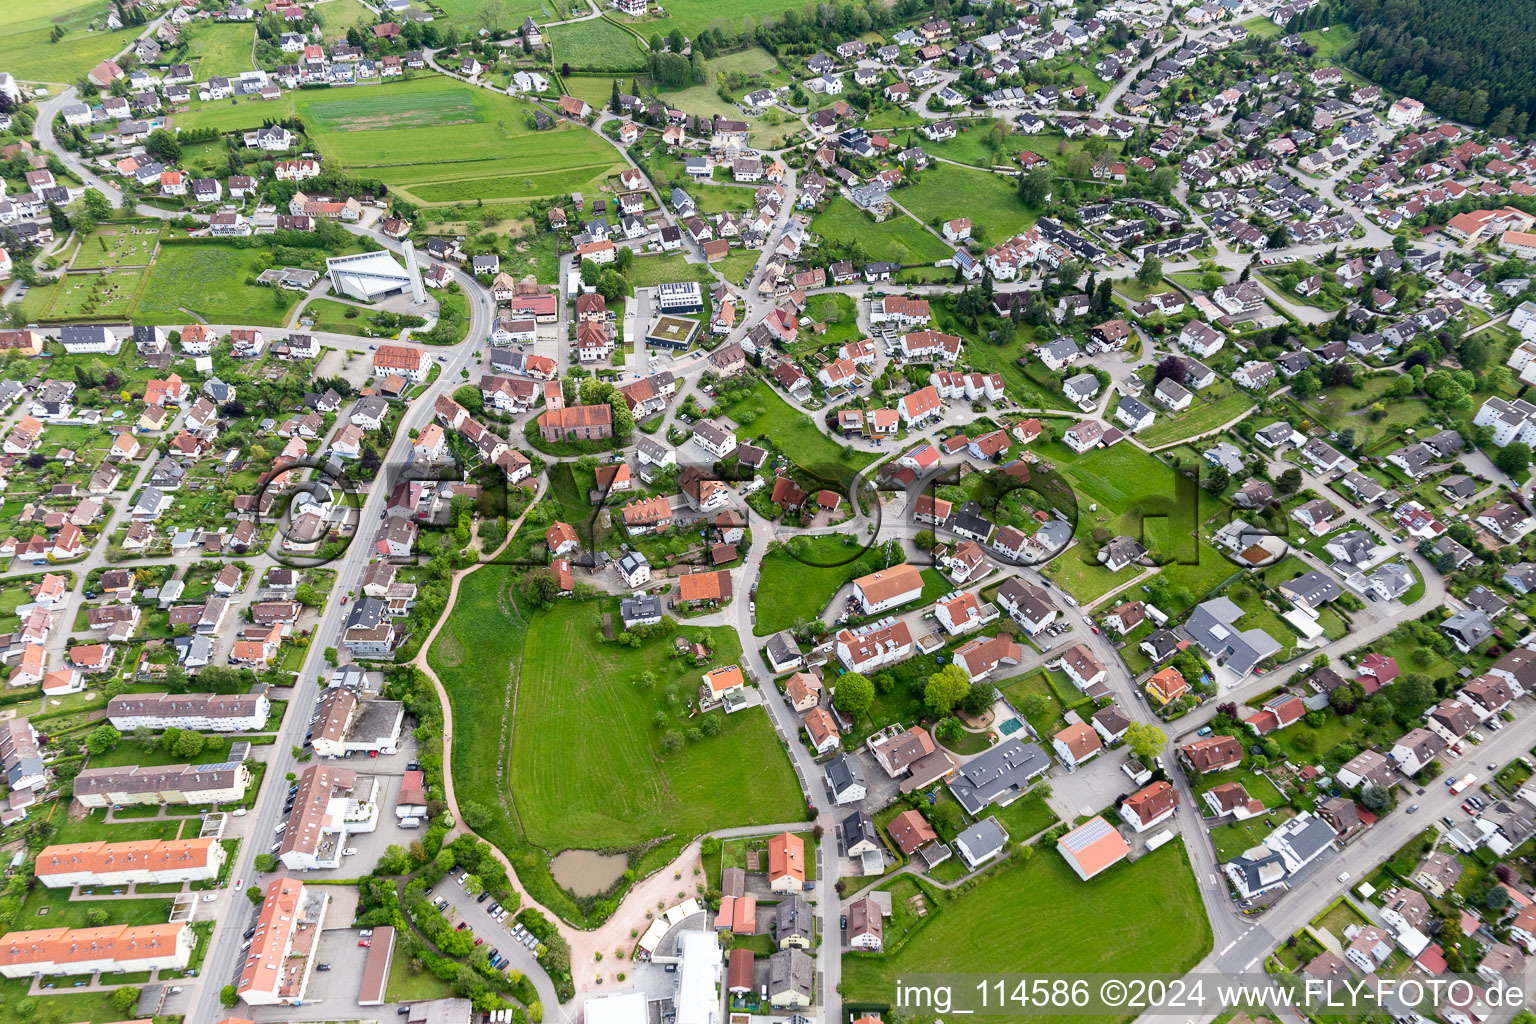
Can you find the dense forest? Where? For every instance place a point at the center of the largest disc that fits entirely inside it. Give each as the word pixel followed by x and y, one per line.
pixel 1469 60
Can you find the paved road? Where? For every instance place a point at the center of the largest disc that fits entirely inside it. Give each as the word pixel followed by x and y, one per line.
pixel 222 957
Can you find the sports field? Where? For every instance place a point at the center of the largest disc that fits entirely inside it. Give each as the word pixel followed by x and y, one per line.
pixel 435 140
pixel 596 45
pixel 26 52
pixel 1144 917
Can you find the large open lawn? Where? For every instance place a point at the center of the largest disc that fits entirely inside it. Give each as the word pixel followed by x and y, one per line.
pixel 208 278
pixel 692 16
pixel 577 761
pixel 795 588
pixel 435 140
pixel 596 45
pixel 221 49
pixel 900 239
pixel 571 791
pixel 1197 419
pixel 1146 917
pixel 761 412
pixel 26 52
pixel 992 202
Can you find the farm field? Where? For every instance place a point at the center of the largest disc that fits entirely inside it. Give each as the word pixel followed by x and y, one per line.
pixel 208 278
pixel 400 132
pixel 795 588
pixel 26 52
pixel 224 49
pixel 1148 917
pixel 899 239
pixel 946 191
pixel 596 45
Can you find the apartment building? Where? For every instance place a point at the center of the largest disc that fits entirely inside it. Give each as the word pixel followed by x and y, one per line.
pixel 163 784
pixel 205 712
pixel 150 862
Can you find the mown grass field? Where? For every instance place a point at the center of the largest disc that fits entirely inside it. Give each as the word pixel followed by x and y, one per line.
pixel 208 278
pixel 796 587
pixel 463 12
pixel 692 16
pixel 578 764
pixel 766 414
pixel 946 191
pixel 900 239
pixel 222 49
pixel 434 139
pixel 596 45
pixel 578 705
pixel 1146 917
pixel 1197 419
pixel 26 52
pixel 340 15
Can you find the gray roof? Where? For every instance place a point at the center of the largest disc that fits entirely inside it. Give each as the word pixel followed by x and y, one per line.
pixel 843 773
pixel 1357 545
pixel 1212 625
pixel 1470 624
pixel 1003 770
pixel 1133 409
pixel 1394 578
pixel 857 828
pixel 981 840
pixel 790 970
pixel 793 916
pixel 1311 588
pixel 639 608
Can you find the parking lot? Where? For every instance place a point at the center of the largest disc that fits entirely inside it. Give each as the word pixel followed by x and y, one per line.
pixel 462 907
